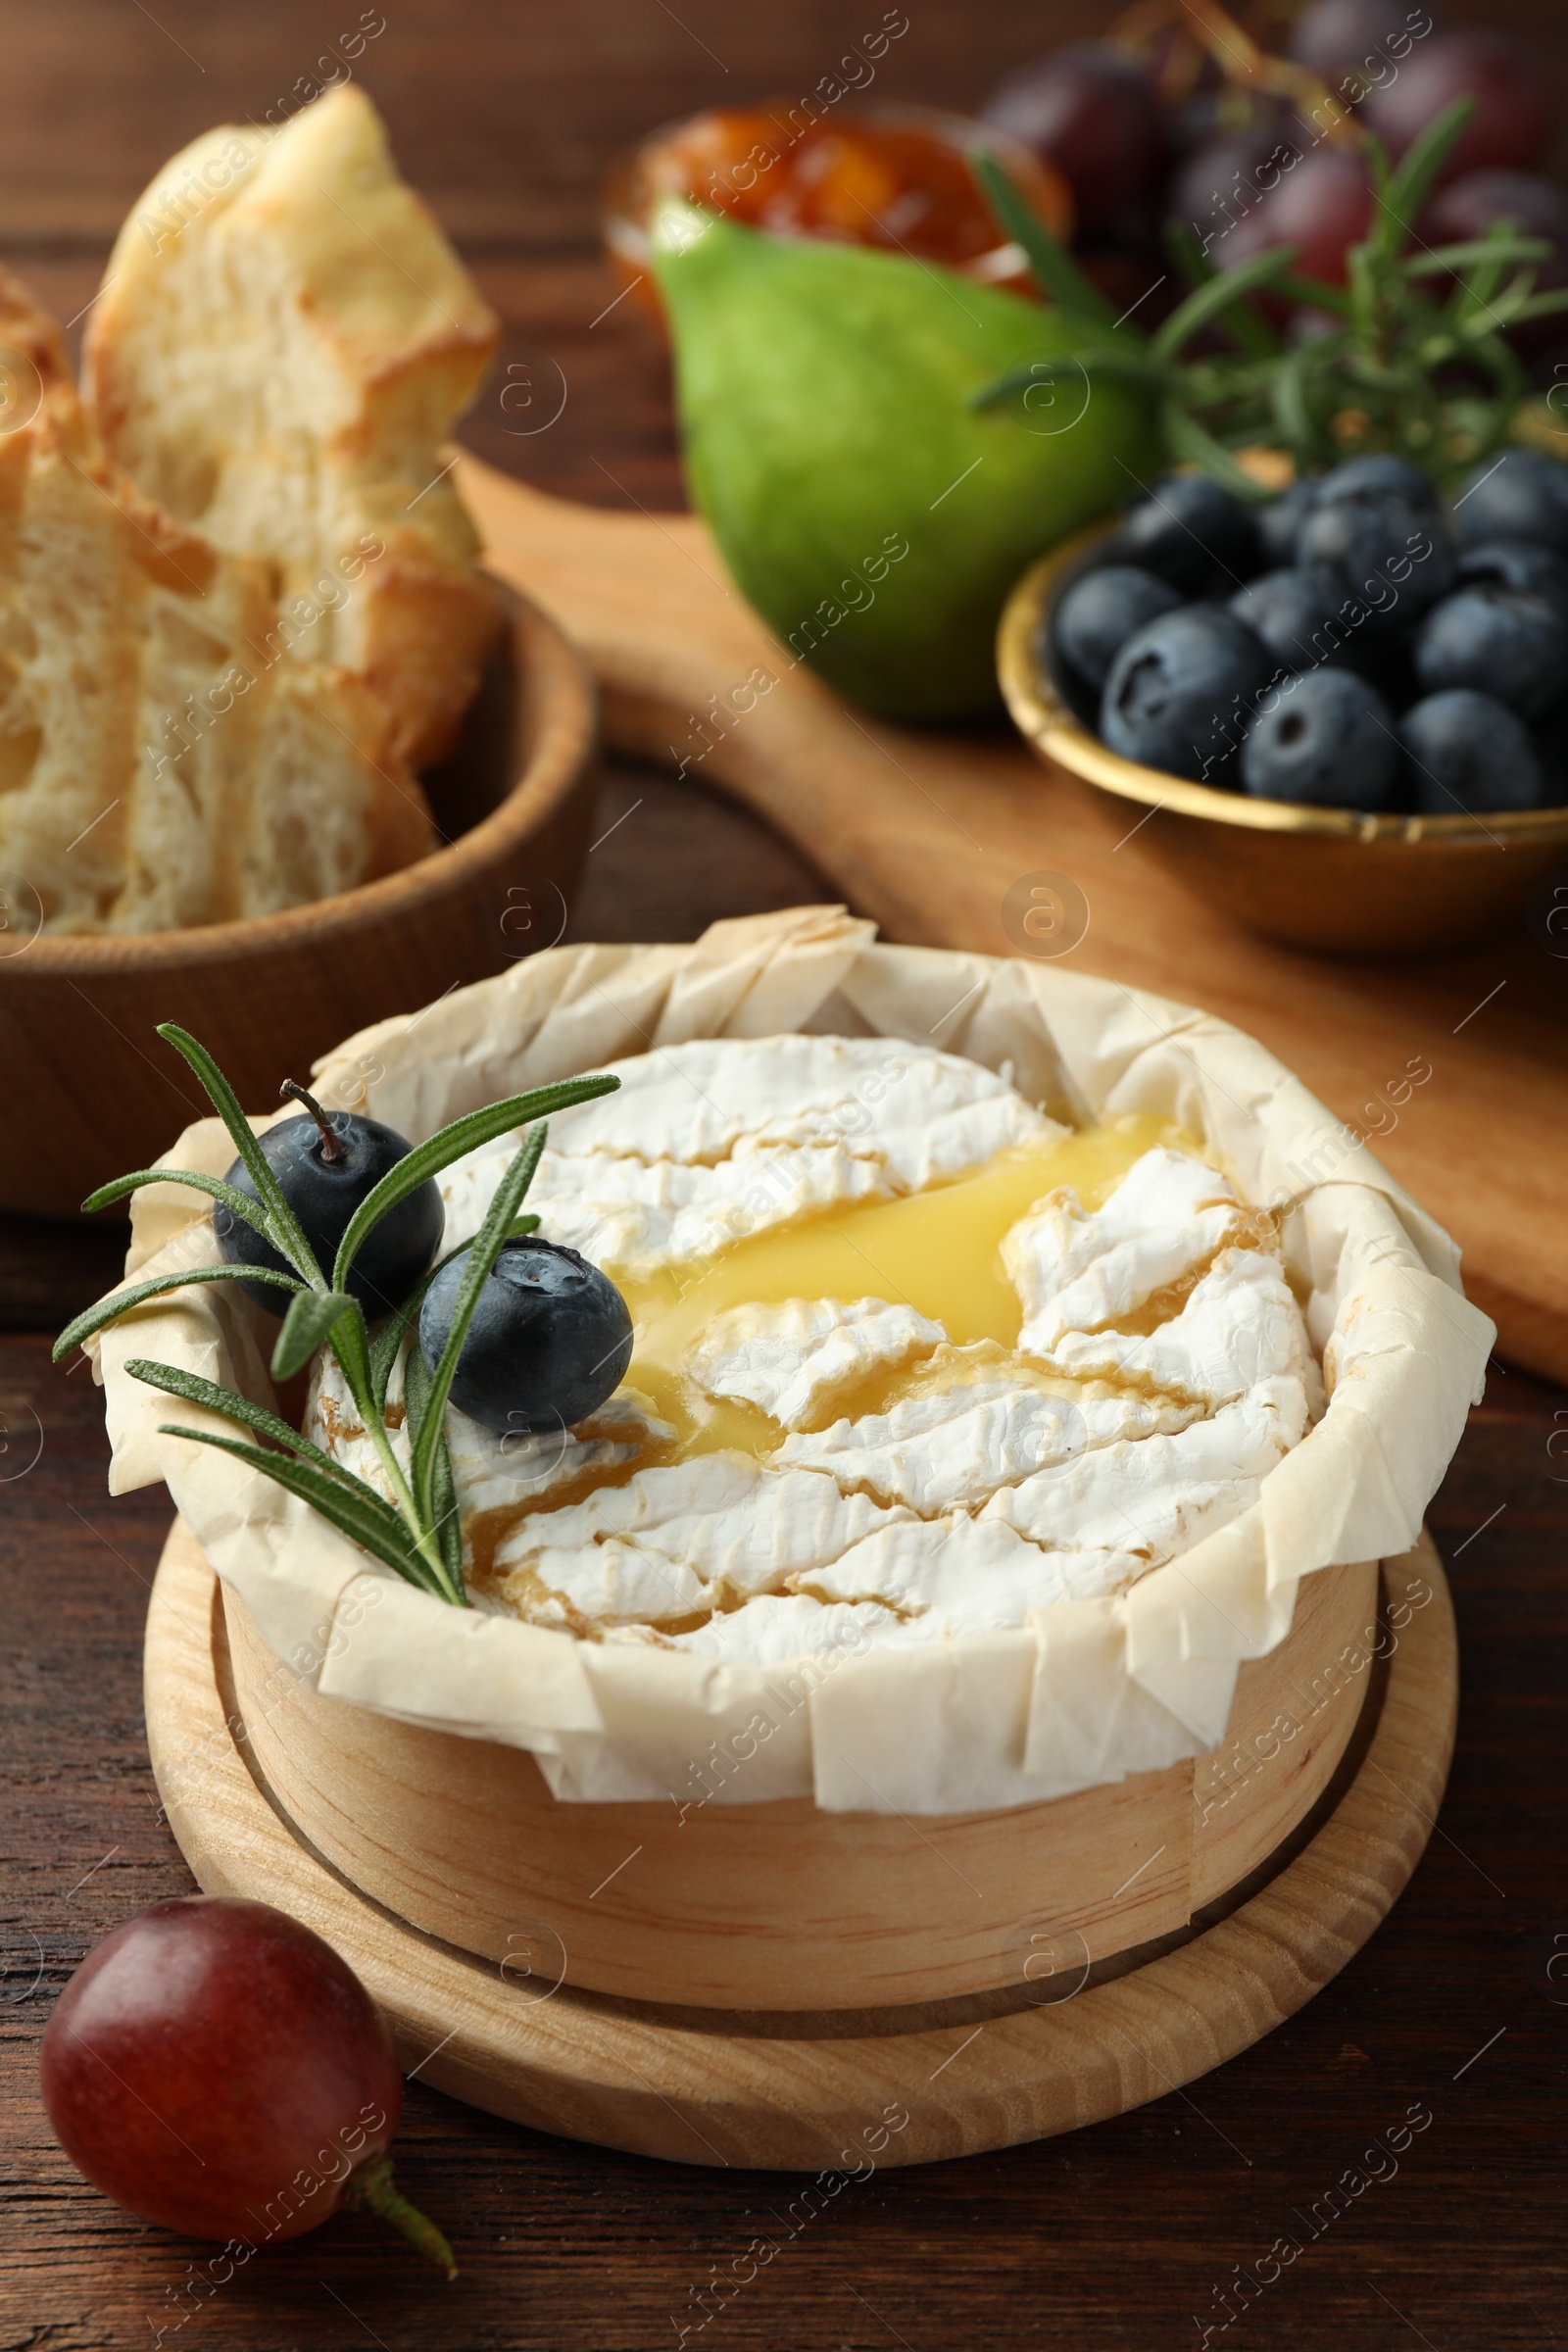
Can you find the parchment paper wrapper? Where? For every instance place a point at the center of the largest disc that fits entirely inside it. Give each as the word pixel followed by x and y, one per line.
pixel 1086 1692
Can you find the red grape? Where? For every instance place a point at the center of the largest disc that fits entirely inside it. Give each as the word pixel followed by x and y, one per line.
pixel 215 2066
pixel 1095 117
pixel 1217 181
pixel 1512 119
pixel 1337 38
pixel 1322 206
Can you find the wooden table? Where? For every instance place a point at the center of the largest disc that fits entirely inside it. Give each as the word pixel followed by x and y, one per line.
pixel 1115 2237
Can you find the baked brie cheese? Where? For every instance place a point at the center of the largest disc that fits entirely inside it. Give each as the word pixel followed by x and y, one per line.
pixel 912 1359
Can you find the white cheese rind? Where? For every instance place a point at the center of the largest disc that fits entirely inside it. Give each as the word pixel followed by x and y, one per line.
pixel 958 1575
pixel 586 1587
pixel 632 1215
pixel 693 1534
pixel 1239 1325
pixel 490 1470
pixel 708 1142
pixel 955 1447
pixel 1155 1498
pixel 789 1359
pixel 904 1106
pixel 1074 1271
pixel 776 1629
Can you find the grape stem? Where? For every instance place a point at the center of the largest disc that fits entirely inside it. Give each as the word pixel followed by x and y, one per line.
pixel 373 2189
pixel 331 1150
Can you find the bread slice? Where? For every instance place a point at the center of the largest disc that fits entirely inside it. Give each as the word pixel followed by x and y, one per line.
pixel 69 675
pixel 160 765
pixel 283 340
pixel 286 767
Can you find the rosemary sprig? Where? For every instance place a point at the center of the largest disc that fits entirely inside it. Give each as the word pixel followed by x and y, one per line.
pixel 427 1441
pixel 1402 367
pixel 416 1532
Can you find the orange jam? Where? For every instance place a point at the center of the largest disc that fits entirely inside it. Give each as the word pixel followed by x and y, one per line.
pixel 896 179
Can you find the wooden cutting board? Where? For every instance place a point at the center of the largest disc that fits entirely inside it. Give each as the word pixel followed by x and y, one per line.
pixel 927 832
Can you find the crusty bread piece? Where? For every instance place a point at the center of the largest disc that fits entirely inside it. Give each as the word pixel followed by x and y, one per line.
pixel 67 668
pixel 283 340
pixel 288 765
pixel 161 765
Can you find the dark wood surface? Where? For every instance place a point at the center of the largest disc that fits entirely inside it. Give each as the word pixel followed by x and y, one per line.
pixel 1113 2240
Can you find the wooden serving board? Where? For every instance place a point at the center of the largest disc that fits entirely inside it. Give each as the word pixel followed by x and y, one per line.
pixel 807 2091
pixel 927 831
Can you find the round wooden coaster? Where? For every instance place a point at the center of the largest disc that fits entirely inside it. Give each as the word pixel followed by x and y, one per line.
pixel 832 2093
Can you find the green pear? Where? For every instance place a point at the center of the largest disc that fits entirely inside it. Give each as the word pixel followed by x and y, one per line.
pixel 874 517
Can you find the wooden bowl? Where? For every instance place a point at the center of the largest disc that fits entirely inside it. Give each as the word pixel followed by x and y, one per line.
pixel 1326 878
pixel 91 1092
pixel 781 1907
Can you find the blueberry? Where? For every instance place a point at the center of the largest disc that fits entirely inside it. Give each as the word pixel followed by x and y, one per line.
pixel 1098 612
pixel 1278 522
pixel 1469 754
pixel 1307 619
pixel 1193 533
pixel 1388 551
pixel 1374 479
pixel 1517 564
pixel 550 1339
pixel 1504 642
pixel 1521 495
pixel 324 1185
pixel 1328 740
pixel 1182 692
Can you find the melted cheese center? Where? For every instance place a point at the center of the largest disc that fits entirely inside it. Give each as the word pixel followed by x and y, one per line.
pixel 939 1252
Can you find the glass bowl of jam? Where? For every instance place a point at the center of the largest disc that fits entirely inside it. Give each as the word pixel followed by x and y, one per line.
pixel 893 178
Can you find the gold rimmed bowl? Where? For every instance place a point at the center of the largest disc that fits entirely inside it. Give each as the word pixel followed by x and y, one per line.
pixel 1327 878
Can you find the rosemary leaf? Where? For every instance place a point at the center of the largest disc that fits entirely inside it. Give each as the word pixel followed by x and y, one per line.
pixel 1192 445
pixel 449 1142
pixel 1472 298
pixel 196 1391
pixel 310 1318
pixel 482 1255
pixel 119 1303
pixel 449 1523
pixel 1315 293
pixel 1133 364
pixel 350 1345
pixel 283 1230
pixel 1210 301
pixel 250 1212
pixel 1400 203
pixel 362 1516
pixel 418 1389
pixel 1290 409
pixel 1054 268
pixel 1249 327
pixel 1188 252
pixel 415 1391
pixel 1504 307
pixel 1542 305
pixel 1437 259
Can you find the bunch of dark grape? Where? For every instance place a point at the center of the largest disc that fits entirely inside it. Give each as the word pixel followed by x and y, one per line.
pixel 1243 169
